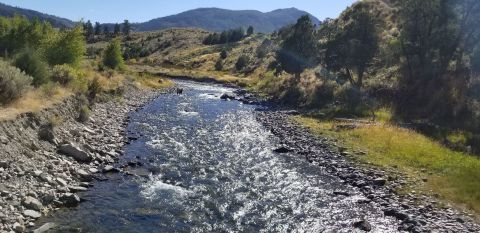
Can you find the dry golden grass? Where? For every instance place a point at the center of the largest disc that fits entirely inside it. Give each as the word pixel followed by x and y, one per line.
pixel 454 176
pixel 33 101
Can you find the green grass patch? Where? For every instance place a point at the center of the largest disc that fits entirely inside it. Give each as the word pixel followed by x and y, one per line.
pixel 454 176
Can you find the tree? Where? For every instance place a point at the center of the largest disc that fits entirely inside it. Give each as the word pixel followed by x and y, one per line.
pixel 106 30
pixel 250 31
pixel 298 50
pixel 98 28
pixel 112 58
pixel 30 62
pixel 67 47
pixel 88 29
pixel 436 36
pixel 126 28
pixel 223 54
pixel 219 65
pixel 352 48
pixel 241 62
pixel 116 29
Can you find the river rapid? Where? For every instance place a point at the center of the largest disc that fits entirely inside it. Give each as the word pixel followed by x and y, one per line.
pixel 208 166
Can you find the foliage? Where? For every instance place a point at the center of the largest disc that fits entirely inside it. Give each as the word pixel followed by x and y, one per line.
pixel 84 113
pixel 241 62
pixel 94 88
pixel 13 83
pixel 116 29
pixel 352 47
pixel 30 62
pixel 127 28
pixel 298 50
pixel 66 47
pixel 250 31
pixel 64 74
pixel 264 48
pixel 98 28
pixel 219 65
pixel 112 57
pixel 223 54
pixel 224 37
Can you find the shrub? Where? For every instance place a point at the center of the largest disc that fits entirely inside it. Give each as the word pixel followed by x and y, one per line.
pixel 112 57
pixel 67 47
pixel 13 83
pixel 219 65
pixel 30 62
pixel 223 54
pixel 350 96
pixel 94 88
pixel 241 62
pixel 49 89
pixel 84 114
pixel 64 74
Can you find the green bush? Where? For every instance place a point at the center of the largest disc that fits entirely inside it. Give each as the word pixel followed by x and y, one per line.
pixel 49 89
pixel 219 65
pixel 64 74
pixel 94 88
pixel 112 58
pixel 30 62
pixel 241 62
pixel 66 47
pixel 349 96
pixel 84 114
pixel 223 54
pixel 13 83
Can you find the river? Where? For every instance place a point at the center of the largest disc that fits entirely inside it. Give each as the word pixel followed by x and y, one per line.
pixel 209 167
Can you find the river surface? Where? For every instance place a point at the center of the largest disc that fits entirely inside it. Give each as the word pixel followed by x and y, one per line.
pixel 213 170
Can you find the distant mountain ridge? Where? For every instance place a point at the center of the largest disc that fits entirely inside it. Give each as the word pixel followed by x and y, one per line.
pixel 212 19
pixel 10 11
pixel 216 19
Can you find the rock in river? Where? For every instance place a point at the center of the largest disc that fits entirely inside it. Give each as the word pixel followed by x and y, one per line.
pixel 32 214
pixel 70 200
pixel 75 152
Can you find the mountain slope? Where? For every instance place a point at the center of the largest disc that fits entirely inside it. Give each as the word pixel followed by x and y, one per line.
pixel 10 11
pixel 215 19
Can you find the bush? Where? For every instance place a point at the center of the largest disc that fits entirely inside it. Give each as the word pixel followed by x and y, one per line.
pixel 13 83
pixel 223 54
pixel 49 89
pixel 84 114
pixel 349 96
pixel 64 74
pixel 112 57
pixel 30 62
pixel 94 88
pixel 219 65
pixel 241 62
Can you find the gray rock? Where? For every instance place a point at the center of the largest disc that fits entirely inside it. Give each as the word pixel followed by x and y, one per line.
pixel 3 140
pixel 70 200
pixel 84 175
pixel 110 168
pixel 46 133
pixel 45 227
pixel 75 152
pixel 363 225
pixel 32 203
pixel 379 182
pixel 227 96
pixel 32 214
pixel 4 164
pixel 17 227
pixel 76 189
pixel 61 182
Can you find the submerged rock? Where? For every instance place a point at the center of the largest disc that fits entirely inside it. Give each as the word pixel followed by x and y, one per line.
pixel 70 200
pixel 363 225
pixel 45 227
pixel 283 149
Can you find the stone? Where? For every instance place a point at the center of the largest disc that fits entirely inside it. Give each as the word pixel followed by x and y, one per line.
pixel 70 200
pixel 76 189
pixel 395 213
pixel 45 133
pixel 226 96
pixel 32 214
pixel 45 227
pixel 341 193
pixel 3 140
pixel 84 176
pixel 363 225
pixel 282 149
pixel 61 182
pixel 4 164
pixel 17 227
pixel 110 169
pixel 379 182
pixel 32 203
pixel 75 152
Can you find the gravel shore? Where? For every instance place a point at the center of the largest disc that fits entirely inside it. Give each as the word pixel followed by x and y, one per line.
pixel 42 168
pixel 415 213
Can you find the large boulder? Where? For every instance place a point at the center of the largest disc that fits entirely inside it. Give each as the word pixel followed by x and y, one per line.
pixel 75 152
pixel 70 200
pixel 45 133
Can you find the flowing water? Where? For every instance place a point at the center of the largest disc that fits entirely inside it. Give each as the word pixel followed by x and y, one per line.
pixel 213 170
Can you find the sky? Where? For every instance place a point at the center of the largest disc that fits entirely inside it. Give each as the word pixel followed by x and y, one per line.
pixel 111 11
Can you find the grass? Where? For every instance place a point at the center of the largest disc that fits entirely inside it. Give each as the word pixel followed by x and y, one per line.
pixel 453 176
pixel 148 81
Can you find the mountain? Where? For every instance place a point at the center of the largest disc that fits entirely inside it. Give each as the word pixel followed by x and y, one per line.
pixel 215 19
pixel 10 11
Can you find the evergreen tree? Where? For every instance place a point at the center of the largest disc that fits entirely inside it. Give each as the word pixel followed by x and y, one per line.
pixel 116 29
pixel 250 31
pixel 298 51
pixel 106 30
pixel 98 28
pixel 88 29
pixel 126 28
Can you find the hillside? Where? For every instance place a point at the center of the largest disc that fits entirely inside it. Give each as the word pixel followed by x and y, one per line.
pixel 215 19
pixel 9 11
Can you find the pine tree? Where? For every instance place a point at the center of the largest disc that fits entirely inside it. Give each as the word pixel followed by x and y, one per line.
pixel 98 28
pixel 250 31
pixel 126 28
pixel 116 29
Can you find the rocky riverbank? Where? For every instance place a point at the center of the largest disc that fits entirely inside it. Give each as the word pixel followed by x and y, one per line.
pixel 46 158
pixel 375 186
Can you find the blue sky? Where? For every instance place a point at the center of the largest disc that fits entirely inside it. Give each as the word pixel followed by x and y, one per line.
pixel 109 11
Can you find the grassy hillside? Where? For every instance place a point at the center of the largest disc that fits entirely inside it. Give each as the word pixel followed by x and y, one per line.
pixel 10 11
